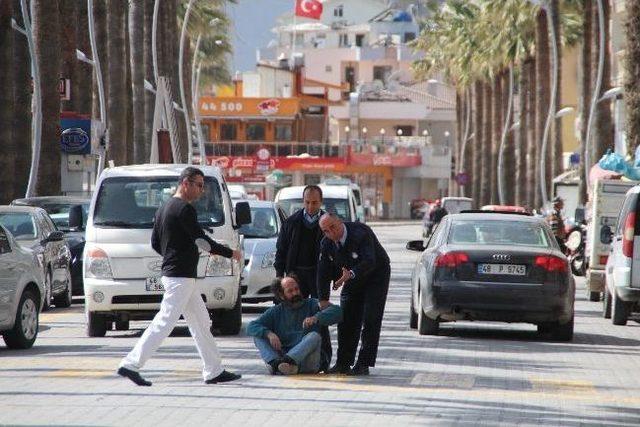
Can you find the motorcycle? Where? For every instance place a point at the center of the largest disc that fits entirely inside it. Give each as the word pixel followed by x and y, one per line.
pixel 575 244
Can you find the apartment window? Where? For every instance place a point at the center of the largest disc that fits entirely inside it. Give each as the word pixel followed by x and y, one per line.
pixel 228 132
pixel 255 132
pixel 409 36
pixel 344 40
pixel 381 73
pixel 283 132
pixel 359 40
pixel 328 68
pixel 338 11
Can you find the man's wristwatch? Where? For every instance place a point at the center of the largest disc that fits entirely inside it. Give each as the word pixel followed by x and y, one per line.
pixel 352 274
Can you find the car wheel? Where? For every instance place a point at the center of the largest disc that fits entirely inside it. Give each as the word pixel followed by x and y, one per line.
pixel 25 329
pixel 594 296
pixel 227 322
pixel 122 325
pixel 426 325
pixel 606 303
pixel 413 316
pixel 47 291
pixel 563 332
pixel 66 298
pixel 96 324
pixel 619 310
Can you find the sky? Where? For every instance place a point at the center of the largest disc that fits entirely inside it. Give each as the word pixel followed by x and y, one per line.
pixel 251 23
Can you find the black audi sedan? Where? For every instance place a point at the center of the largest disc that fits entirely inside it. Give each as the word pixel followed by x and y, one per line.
pixel 492 267
pixel 58 208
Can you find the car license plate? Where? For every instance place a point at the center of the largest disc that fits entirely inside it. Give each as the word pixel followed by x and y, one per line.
pixel 154 285
pixel 507 269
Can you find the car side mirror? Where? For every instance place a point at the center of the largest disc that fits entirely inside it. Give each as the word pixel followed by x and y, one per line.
pixel 54 236
pixel 579 215
pixel 76 217
pixel 606 235
pixel 416 245
pixel 243 214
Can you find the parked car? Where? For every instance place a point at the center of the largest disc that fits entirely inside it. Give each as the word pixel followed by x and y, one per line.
pixel 33 229
pixel 121 269
pixel 58 208
pixel 259 243
pixel 21 293
pixel 338 199
pixel 492 267
pixel 622 271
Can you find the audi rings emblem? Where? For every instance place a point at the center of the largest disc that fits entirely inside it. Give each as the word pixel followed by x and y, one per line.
pixel 501 257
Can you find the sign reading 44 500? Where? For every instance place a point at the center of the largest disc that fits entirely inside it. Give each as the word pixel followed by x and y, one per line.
pixel 223 106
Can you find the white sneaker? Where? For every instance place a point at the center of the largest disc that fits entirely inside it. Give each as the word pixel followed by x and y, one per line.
pixel 288 368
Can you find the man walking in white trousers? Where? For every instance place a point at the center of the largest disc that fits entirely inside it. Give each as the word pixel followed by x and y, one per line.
pixel 178 237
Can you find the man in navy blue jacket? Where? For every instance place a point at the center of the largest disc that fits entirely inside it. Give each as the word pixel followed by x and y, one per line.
pixel 288 334
pixel 351 256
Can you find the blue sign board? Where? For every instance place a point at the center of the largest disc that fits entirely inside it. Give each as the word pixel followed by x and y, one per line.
pixel 76 136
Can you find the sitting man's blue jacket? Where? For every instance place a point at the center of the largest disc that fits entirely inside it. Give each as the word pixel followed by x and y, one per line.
pixel 286 322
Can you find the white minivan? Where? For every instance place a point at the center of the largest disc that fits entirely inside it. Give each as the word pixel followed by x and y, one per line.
pixel 121 271
pixel 338 199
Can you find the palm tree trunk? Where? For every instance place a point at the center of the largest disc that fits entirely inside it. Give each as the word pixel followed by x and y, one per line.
pixel 532 135
pixel 556 151
pixel 22 107
pixel 497 122
pixel 467 143
pixel 632 74
pixel 476 142
pixel 149 98
pixel 81 90
pixel 116 77
pixel 136 48
pixel 128 93
pixel 603 135
pixel 543 92
pixel 455 158
pixel 509 149
pixel 520 141
pixel 69 65
pixel 6 102
pixel 100 24
pixel 485 172
pixel 585 89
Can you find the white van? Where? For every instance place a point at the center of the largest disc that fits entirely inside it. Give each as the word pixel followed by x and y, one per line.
pixel 121 271
pixel 357 193
pixel 338 199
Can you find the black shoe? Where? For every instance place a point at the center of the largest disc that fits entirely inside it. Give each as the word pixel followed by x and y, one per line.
pixel 358 371
pixel 133 376
pixel 339 369
pixel 224 377
pixel 273 366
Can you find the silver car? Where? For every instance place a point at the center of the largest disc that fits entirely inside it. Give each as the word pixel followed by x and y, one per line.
pixel 21 293
pixel 260 237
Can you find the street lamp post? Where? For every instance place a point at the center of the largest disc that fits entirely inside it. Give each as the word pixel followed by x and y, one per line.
pixel 382 132
pixel 503 140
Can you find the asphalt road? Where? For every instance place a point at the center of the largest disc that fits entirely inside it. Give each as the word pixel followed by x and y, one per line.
pixel 473 374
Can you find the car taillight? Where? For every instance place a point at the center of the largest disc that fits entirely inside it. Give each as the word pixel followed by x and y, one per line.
pixel 451 259
pixel 551 263
pixel 627 235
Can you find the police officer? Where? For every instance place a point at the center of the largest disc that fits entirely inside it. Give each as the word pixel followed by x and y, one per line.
pixel 556 221
pixel 352 257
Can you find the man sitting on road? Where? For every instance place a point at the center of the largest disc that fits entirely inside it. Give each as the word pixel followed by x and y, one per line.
pixel 288 334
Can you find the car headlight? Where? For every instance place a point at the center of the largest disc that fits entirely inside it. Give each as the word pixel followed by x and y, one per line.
pixel 219 266
pixel 268 259
pixel 97 264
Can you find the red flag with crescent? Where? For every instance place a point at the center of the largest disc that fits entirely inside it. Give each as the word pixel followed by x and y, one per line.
pixel 309 9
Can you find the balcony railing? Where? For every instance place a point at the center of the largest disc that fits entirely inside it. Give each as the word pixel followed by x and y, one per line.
pixel 277 149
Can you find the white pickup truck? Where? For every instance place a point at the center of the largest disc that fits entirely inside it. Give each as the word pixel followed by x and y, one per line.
pixel 608 196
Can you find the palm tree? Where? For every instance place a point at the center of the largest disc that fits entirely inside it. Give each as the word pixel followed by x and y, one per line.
pixel 632 74
pixel 6 101
pixel 81 88
pixel 554 162
pixel 69 65
pixel 585 89
pixel 603 124
pixel 149 99
pixel 100 28
pixel 485 169
pixel 543 91
pixel 46 26
pixel 532 136
pixel 477 141
pixel 136 50
pixel 22 108
pixel 116 81
pixel 497 123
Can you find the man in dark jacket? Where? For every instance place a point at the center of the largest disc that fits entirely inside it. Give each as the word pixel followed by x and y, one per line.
pixel 298 244
pixel 351 256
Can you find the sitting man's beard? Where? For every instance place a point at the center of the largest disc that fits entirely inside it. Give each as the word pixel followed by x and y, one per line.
pixel 295 302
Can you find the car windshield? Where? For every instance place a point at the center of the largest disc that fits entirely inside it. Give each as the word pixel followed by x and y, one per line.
pixel 516 233
pixel 131 202
pixel 20 224
pixel 338 206
pixel 59 213
pixel 263 224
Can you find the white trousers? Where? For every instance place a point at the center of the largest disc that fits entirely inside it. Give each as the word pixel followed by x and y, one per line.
pixel 180 298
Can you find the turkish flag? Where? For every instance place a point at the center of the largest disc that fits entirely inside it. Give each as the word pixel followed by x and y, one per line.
pixel 309 9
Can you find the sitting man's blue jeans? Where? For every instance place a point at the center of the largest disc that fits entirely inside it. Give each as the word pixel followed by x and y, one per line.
pixel 306 353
